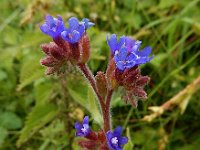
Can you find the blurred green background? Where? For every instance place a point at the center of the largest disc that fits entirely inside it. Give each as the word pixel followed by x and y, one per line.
pixel 39 111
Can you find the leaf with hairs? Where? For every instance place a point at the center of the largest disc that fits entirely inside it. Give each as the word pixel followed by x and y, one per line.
pixel 40 116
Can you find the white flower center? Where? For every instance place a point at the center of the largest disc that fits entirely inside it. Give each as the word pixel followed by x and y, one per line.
pixel 114 140
pixel 84 129
pixel 116 52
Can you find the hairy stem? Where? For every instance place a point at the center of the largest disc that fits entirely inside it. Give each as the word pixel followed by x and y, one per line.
pixel 91 80
pixel 105 104
pixel 107 122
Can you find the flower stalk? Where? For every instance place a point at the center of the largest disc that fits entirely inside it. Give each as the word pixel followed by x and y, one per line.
pixel 104 103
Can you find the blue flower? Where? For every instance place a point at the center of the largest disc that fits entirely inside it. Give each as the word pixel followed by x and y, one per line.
pixel 126 52
pixel 114 44
pixel 52 26
pixel 115 140
pixel 83 129
pixel 75 31
pixel 87 23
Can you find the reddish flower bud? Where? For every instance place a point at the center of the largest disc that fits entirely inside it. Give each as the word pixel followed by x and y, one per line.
pixel 104 147
pixel 85 49
pixel 110 74
pixel 92 136
pixel 49 61
pixel 142 80
pixel 45 48
pixel 118 76
pixel 50 70
pixel 101 83
pixel 140 93
pixel 130 97
pixel 101 136
pixel 57 53
pixel 60 42
pixel 75 53
pixel 89 144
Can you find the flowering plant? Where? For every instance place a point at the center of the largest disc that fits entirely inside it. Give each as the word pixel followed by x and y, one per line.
pixel 72 45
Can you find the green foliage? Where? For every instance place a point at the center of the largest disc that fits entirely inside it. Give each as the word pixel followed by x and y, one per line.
pixel 38 112
pixel 84 95
pixel 10 120
pixel 40 115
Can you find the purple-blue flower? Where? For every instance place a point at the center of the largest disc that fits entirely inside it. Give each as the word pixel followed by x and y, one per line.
pixel 114 44
pixel 115 140
pixel 87 23
pixel 53 26
pixel 83 129
pixel 126 52
pixel 75 31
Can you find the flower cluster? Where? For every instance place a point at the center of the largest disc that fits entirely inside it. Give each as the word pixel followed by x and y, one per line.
pixel 71 45
pixel 55 27
pixel 111 140
pixel 126 52
pixel 123 67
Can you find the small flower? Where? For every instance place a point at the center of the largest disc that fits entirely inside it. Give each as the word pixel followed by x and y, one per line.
pixel 126 52
pixel 115 140
pixel 87 23
pixel 52 26
pixel 75 31
pixel 82 129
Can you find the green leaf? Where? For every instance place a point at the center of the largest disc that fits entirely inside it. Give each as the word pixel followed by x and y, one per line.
pixel 3 135
pixel 84 95
pixel 92 106
pixel 10 120
pixel 40 116
pixel 158 60
pixel 43 90
pixel 165 4
pixel 3 75
pixel 129 145
pixel 31 70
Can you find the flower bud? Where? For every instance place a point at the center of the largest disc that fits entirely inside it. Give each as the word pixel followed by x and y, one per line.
pixel 101 83
pixel 89 144
pixel 92 136
pixel 110 75
pixel 50 70
pixel 60 42
pixel 140 93
pixel 101 136
pixel 142 80
pixel 48 61
pixel 75 53
pixel 45 48
pixel 85 49
pixel 130 97
pixel 57 53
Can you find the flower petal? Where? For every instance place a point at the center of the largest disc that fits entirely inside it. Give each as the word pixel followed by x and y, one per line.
pixel 129 43
pixel 145 51
pixel 123 140
pixel 86 120
pixel 122 53
pixel 136 46
pixel 120 65
pixel 112 42
pixel 87 23
pixel 117 131
pixel 78 126
pixel 73 23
